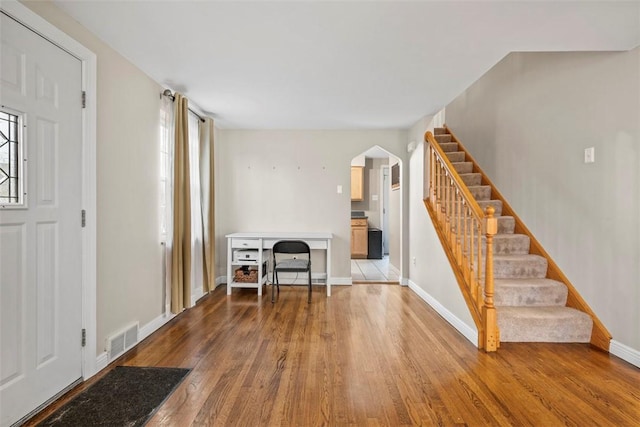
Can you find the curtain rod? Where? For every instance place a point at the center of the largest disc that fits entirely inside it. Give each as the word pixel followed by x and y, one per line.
pixel 168 94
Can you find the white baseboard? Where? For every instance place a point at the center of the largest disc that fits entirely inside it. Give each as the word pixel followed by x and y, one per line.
pixel 341 281
pixel 154 325
pixel 403 281
pixel 221 280
pixel 467 331
pixel 102 360
pixel 625 352
pixel 196 296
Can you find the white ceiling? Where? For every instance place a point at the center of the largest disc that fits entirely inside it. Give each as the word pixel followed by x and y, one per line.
pixel 341 64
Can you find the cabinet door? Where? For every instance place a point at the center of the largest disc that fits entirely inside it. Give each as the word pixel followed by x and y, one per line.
pixel 359 241
pixel 357 183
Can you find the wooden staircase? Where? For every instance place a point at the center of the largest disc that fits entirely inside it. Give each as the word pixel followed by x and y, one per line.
pixel 533 300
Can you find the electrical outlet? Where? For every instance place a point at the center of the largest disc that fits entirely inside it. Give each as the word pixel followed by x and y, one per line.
pixel 339 189
pixel 414 260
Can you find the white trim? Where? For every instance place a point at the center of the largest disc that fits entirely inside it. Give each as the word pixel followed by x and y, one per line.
pixel 221 280
pixel 467 331
pixel 625 352
pixel 404 281
pixel 102 361
pixel 89 240
pixel 196 296
pixel 153 326
pixel 341 281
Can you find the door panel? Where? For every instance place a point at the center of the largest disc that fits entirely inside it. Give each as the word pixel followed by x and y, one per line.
pixel 41 241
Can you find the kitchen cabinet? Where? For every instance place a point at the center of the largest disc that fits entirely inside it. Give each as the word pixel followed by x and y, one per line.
pixel 359 238
pixel 357 183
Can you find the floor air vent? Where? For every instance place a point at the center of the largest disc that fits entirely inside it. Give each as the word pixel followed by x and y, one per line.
pixel 122 341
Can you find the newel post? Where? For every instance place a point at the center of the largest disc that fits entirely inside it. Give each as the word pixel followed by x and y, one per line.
pixel 491 332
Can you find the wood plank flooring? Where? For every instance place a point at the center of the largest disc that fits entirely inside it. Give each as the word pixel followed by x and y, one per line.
pixel 370 355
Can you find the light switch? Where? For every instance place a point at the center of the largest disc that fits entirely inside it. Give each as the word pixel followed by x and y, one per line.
pixel 590 155
pixel 339 189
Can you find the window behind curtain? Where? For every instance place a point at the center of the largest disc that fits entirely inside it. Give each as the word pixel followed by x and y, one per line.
pixel 197 240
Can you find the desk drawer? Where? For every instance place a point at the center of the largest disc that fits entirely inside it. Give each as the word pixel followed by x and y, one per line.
pixel 245 243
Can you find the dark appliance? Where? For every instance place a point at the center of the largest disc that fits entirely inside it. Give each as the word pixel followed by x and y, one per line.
pixel 375 244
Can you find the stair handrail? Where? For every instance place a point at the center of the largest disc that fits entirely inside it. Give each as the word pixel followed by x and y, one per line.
pixel 450 200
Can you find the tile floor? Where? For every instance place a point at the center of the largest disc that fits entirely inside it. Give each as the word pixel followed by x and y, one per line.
pixel 375 270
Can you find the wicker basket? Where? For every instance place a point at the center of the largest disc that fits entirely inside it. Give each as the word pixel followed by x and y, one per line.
pixel 246 274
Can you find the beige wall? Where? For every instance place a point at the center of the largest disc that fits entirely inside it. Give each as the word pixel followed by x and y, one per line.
pixel 129 255
pixel 395 213
pixel 527 123
pixel 431 270
pixel 287 180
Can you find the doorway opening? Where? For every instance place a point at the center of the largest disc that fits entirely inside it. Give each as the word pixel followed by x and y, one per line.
pixel 376 218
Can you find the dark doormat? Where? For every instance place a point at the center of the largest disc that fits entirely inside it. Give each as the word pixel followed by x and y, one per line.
pixel 126 396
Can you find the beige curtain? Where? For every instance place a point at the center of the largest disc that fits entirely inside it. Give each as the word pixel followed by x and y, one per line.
pixel 208 202
pixel 181 251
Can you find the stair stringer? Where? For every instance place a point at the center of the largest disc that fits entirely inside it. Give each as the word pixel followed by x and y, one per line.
pixel 600 336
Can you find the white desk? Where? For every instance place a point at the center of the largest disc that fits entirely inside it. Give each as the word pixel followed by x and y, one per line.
pixel 265 241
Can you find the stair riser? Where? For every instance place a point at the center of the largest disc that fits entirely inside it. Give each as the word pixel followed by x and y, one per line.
pixel 480 192
pixel 439 131
pixel 545 330
pixel 445 137
pixel 449 147
pixel 463 167
pixel 471 179
pixel 497 205
pixel 530 295
pixel 506 244
pixel 506 225
pixel 456 156
pixel 535 268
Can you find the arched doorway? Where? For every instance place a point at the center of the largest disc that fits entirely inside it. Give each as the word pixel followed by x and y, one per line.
pixel 376 218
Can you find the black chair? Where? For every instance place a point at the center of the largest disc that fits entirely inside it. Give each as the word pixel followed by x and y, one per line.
pixel 291 264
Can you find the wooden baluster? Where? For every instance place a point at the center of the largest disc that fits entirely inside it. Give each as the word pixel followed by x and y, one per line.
pixel 459 234
pixel 472 274
pixel 479 266
pixel 447 201
pixel 454 210
pixel 491 332
pixel 439 193
pixel 465 235
pixel 432 174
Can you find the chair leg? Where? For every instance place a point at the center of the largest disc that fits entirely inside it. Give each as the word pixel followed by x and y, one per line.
pixel 274 284
pixel 309 301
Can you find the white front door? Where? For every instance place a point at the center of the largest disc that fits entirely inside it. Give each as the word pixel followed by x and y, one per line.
pixel 40 220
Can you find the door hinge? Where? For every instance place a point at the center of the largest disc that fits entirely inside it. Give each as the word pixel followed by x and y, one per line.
pixel 84 218
pixel 84 337
pixel 84 99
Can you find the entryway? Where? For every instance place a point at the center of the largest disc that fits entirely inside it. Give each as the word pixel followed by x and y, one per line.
pixel 376 219
pixel 45 183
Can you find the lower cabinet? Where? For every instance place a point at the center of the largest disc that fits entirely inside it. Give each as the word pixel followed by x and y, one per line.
pixel 359 238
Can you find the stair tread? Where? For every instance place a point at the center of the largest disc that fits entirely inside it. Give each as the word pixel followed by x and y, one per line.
pixel 541 312
pixel 518 257
pixel 527 282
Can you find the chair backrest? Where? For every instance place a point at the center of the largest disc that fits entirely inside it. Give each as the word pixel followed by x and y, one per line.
pixel 291 247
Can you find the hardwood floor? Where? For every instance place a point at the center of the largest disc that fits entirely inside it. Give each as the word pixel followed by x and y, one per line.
pixel 373 355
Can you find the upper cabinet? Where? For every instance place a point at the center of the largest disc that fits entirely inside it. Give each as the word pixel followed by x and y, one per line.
pixel 357 183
